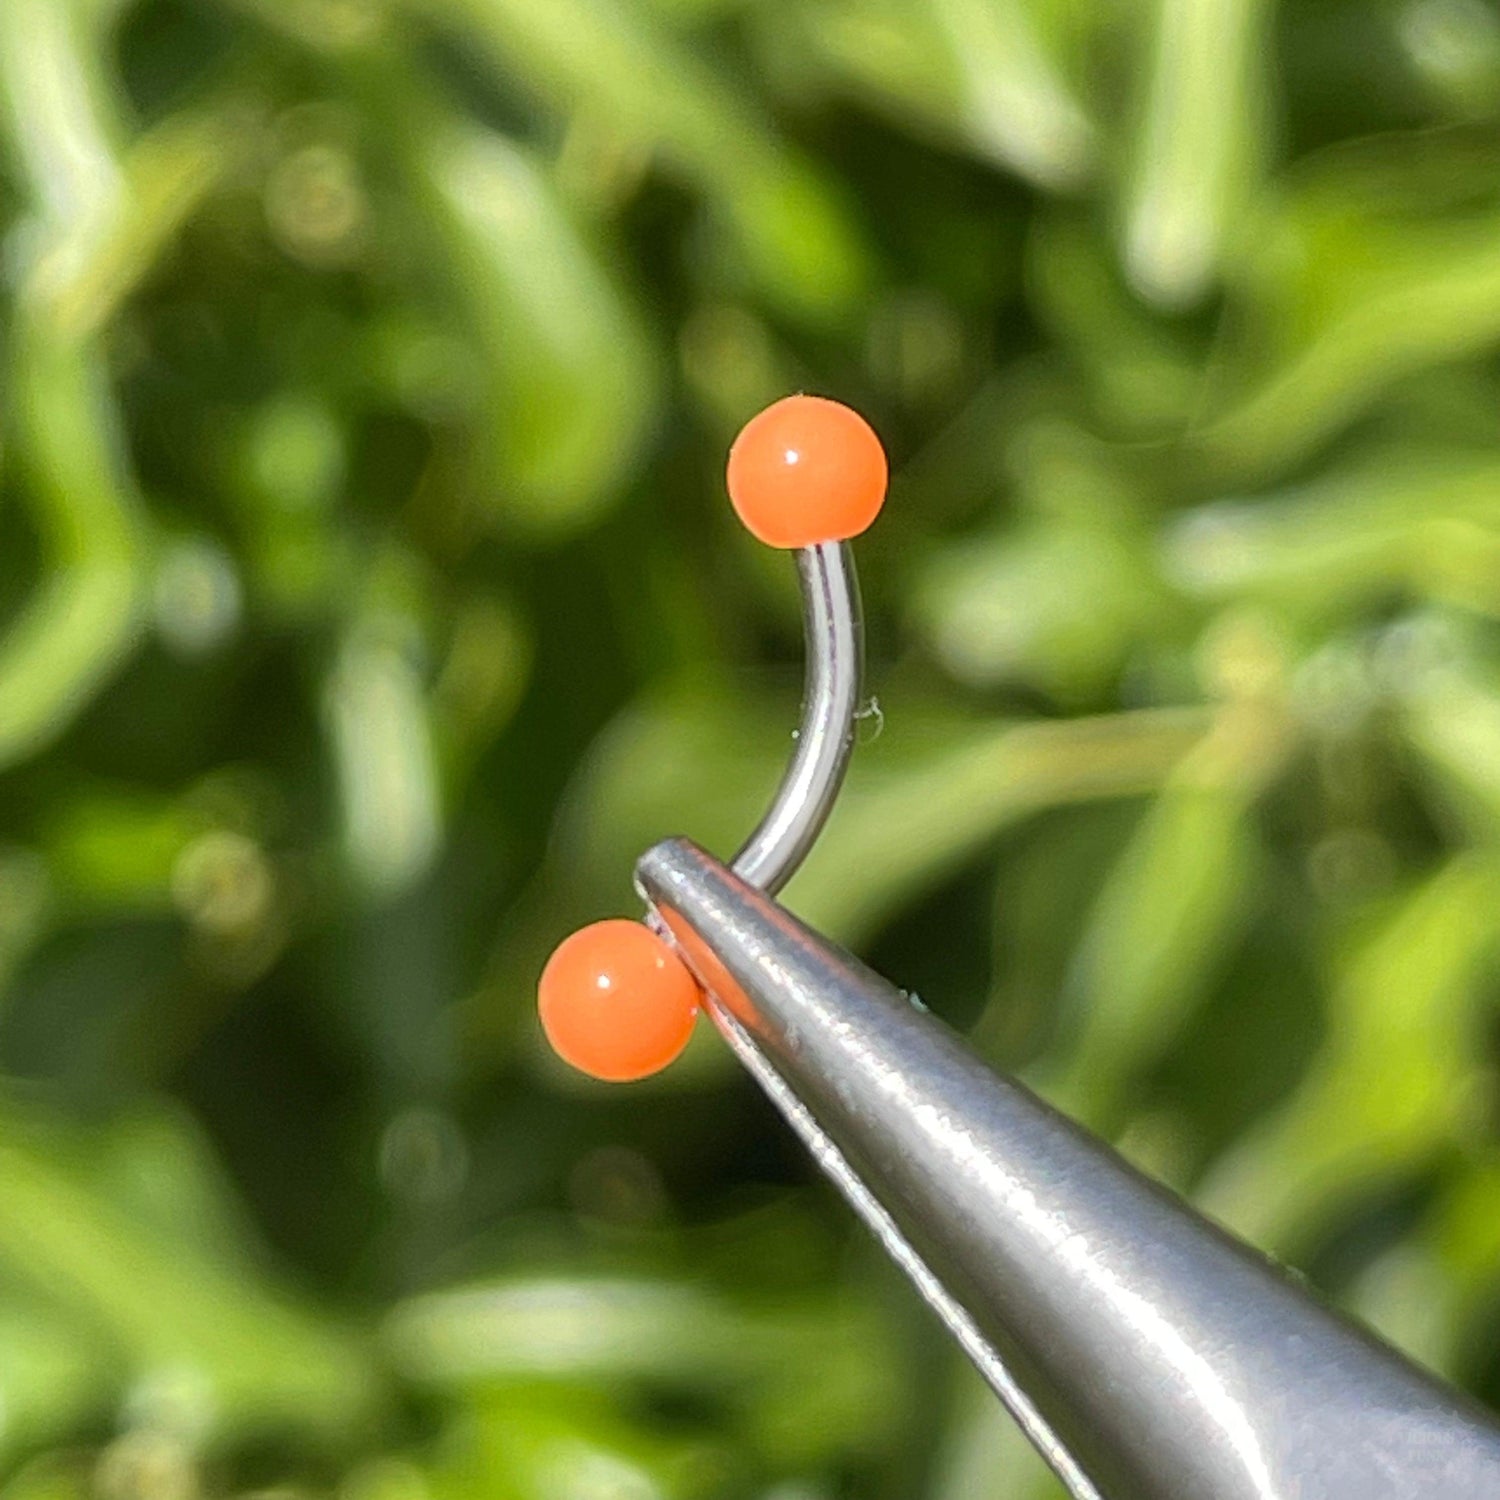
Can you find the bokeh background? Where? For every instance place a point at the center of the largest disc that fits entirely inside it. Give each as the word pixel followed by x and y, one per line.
pixel 368 601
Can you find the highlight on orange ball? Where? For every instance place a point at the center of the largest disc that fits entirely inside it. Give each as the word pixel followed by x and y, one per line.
pixel 807 470
pixel 616 1002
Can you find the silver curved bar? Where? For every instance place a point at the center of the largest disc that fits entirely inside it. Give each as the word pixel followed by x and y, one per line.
pixel 833 629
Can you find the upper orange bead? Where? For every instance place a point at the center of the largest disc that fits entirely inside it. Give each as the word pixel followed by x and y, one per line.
pixel 807 470
pixel 616 1001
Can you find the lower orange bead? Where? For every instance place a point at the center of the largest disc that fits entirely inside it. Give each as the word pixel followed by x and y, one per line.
pixel 616 1002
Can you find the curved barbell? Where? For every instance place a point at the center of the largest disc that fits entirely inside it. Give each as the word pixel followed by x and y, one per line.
pixel 805 474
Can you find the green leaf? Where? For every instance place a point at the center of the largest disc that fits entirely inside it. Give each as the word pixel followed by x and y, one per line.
pixel 1387 1090
pixel 1194 161
pixel 796 234
pixel 55 1375
pixel 137 1261
pixel 574 379
pixel 1170 912
pixel 810 1379
pixel 986 76
pixel 1374 265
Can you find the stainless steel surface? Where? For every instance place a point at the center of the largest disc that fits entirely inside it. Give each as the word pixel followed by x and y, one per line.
pixel 832 628
pixel 1149 1355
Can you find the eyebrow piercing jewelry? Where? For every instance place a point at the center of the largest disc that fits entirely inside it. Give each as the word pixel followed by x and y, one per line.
pixel 806 474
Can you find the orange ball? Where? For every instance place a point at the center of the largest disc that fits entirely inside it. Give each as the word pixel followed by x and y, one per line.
pixel 807 470
pixel 616 1001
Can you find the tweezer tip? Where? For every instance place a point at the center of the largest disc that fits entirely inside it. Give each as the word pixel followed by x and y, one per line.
pixel 664 866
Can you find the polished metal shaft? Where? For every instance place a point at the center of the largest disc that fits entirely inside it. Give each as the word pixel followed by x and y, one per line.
pixel 1148 1355
pixel 831 627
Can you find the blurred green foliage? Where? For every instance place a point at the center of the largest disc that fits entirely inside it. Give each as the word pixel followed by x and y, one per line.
pixel 368 601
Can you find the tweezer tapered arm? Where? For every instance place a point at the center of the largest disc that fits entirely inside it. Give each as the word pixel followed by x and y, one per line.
pixel 1147 1353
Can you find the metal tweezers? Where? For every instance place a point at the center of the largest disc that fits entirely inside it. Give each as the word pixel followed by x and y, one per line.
pixel 1146 1353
